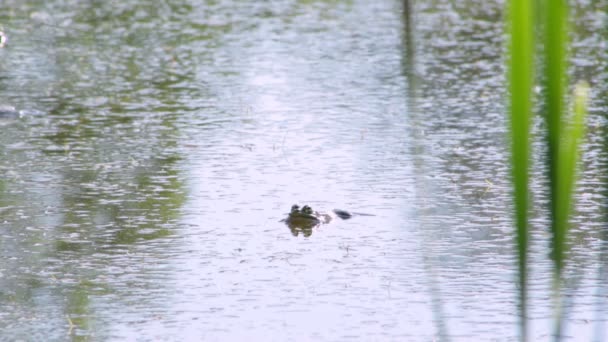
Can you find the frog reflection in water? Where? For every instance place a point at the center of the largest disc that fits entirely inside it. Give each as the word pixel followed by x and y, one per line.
pixel 305 219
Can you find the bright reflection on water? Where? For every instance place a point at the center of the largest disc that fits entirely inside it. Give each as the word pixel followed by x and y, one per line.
pixel 154 148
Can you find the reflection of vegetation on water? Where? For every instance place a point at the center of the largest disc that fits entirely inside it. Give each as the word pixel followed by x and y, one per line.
pixel 163 196
pixel 78 311
pixel 133 200
pixel 111 202
pixel 3 39
pixel 3 200
pixel 107 149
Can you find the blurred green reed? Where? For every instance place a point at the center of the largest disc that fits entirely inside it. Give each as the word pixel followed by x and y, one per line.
pixel 563 136
pixel 521 81
pixel 555 84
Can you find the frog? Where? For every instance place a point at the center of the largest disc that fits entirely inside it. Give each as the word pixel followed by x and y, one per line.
pixel 304 218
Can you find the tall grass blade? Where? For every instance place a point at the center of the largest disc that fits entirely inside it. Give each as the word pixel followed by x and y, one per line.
pixel 520 77
pixel 555 83
pixel 559 159
pixel 569 147
pixel 573 134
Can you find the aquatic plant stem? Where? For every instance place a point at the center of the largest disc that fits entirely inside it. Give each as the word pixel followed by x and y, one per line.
pixel 561 149
pixel 520 77
pixel 569 147
pixel 555 84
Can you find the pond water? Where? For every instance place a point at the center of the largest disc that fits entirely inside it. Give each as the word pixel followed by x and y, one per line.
pixel 155 146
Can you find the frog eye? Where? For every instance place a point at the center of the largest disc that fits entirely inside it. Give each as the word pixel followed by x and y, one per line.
pixel 295 208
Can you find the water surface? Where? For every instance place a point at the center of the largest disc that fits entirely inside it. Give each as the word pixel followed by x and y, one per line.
pixel 154 148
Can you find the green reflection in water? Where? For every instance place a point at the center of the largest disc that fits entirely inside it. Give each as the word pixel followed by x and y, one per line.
pixel 108 151
pixel 78 312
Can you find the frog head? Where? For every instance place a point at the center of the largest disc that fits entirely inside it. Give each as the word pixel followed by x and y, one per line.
pixel 307 210
pixel 295 209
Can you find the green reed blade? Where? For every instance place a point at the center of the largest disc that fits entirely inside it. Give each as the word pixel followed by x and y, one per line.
pixel 569 154
pixel 569 147
pixel 520 78
pixel 555 83
pixel 559 158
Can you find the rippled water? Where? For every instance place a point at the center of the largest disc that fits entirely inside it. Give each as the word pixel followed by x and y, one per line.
pixel 154 147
